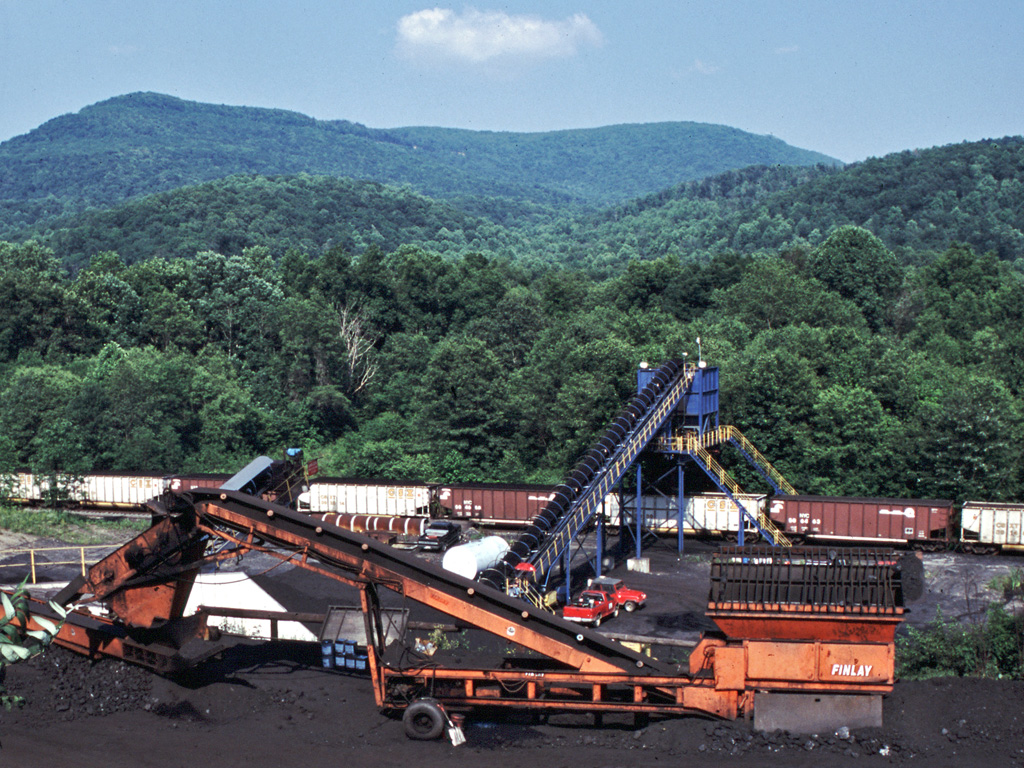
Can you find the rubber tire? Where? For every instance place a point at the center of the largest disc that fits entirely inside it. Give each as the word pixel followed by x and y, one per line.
pixel 597 622
pixel 615 613
pixel 423 721
pixel 630 606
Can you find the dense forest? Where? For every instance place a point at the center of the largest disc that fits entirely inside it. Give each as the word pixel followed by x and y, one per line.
pixel 867 321
pixel 854 374
pixel 917 203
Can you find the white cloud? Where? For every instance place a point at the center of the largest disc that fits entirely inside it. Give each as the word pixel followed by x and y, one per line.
pixel 479 36
pixel 704 68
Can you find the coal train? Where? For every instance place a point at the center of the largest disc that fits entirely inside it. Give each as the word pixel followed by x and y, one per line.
pixel 929 524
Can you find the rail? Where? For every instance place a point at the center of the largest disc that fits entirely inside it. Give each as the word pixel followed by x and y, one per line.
pixel 34 563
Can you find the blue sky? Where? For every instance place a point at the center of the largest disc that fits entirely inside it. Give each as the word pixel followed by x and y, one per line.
pixel 850 79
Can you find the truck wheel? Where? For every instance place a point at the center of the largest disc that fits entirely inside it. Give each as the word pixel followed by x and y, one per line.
pixel 597 622
pixel 615 613
pixel 630 606
pixel 423 720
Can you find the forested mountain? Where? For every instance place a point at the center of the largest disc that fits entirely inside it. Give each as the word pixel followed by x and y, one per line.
pixel 145 142
pixel 307 213
pixel 917 203
pixel 868 321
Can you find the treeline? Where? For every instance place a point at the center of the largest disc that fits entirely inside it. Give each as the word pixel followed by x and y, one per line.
pixel 311 214
pixel 853 373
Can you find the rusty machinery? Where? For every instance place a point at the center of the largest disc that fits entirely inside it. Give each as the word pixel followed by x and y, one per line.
pixel 802 631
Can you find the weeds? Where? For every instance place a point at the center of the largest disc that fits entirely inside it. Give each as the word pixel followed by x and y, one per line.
pixel 1009 584
pixel 443 641
pixel 991 647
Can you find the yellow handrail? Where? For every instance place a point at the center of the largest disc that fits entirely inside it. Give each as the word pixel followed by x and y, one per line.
pixel 694 445
pixel 32 561
pixel 723 435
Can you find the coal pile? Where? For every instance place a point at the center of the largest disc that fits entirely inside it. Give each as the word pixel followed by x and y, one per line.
pixel 67 686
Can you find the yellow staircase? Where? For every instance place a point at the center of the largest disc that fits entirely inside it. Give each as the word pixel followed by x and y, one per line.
pixel 696 446
pixel 730 433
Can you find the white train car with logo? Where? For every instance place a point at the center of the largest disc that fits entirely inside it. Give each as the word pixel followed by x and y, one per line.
pixel 366 497
pixel 988 526
pixel 711 514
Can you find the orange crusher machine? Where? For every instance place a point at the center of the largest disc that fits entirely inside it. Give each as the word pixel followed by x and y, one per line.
pixel 806 635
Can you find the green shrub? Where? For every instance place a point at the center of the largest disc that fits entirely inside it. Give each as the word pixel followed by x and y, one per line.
pixel 993 647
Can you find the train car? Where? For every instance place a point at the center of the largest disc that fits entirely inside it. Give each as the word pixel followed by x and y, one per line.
pixel 117 491
pixel 23 488
pixel 710 514
pixel 493 503
pixel 920 522
pixel 366 497
pixel 194 480
pixel 988 526
pixel 100 490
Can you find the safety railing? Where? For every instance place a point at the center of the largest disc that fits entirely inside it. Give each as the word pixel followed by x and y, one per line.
pixel 729 433
pixel 36 558
pixel 694 446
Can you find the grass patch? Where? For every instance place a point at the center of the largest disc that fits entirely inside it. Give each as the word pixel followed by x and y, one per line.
pixel 1008 584
pixel 67 526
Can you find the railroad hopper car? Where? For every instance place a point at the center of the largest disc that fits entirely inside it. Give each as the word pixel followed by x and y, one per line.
pixel 366 497
pixel 919 522
pixel 492 503
pixel 195 480
pixel 104 490
pixel 712 514
pixel 986 526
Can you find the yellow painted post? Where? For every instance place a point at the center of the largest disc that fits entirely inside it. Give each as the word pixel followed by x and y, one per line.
pixel 32 561
pixel 81 551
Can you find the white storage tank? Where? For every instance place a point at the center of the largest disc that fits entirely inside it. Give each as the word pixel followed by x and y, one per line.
pixel 470 559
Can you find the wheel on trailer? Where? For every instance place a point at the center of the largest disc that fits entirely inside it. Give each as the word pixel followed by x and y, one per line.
pixel 424 720
pixel 630 606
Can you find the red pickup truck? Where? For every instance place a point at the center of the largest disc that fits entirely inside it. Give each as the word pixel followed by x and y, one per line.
pixel 602 598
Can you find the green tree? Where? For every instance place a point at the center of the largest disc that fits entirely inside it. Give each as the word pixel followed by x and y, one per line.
pixel 856 264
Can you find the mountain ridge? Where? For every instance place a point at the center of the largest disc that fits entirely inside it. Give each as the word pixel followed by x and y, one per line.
pixel 146 142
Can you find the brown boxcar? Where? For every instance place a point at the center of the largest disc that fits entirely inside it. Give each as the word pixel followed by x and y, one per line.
pixel 919 521
pixel 493 503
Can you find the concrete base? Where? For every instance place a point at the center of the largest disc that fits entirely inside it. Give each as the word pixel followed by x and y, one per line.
pixel 639 564
pixel 807 713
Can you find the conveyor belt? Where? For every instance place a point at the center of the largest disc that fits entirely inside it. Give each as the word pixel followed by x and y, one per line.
pixel 577 499
pixel 358 559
